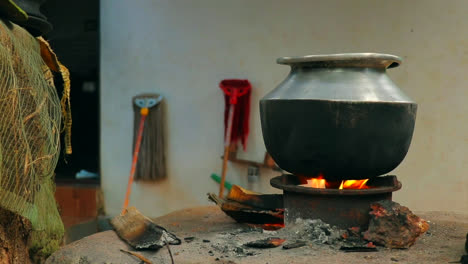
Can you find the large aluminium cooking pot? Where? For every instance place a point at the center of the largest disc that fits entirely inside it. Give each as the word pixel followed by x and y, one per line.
pixel 339 116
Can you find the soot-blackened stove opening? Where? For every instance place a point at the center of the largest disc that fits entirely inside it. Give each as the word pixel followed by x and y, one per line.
pixel 343 208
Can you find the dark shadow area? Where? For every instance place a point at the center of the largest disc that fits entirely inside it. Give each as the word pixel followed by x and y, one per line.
pixel 75 40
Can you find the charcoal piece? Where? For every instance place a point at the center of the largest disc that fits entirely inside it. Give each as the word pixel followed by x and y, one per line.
pixel 270 242
pixel 296 244
pixel 239 250
pixel 352 236
pixel 326 231
pixel 393 225
pixel 206 241
pixel 359 249
pixel 189 239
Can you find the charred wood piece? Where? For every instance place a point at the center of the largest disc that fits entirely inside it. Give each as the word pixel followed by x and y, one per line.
pixel 359 249
pixel 393 225
pixel 296 244
pixel 256 200
pixel 244 213
pixel 270 242
pixel 189 239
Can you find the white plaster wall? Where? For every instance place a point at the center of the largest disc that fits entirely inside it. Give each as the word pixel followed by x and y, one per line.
pixel 183 48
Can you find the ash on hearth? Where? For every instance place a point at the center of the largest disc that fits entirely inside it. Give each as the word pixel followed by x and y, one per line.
pixel 318 232
pixel 392 225
pixel 315 231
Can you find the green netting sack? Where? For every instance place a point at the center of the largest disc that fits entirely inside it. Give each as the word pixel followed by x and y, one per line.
pixel 30 118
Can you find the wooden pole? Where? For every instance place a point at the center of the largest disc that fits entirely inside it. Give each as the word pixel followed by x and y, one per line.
pixel 144 113
pixel 227 142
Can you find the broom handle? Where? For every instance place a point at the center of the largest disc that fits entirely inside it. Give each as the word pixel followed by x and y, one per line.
pixel 227 142
pixel 134 161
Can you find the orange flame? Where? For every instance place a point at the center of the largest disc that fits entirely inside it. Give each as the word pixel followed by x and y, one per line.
pixel 318 182
pixel 354 184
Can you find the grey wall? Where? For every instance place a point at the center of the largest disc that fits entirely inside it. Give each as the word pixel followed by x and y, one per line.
pixel 182 49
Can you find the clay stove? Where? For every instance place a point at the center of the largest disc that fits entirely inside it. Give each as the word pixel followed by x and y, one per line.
pixel 337 118
pixel 343 208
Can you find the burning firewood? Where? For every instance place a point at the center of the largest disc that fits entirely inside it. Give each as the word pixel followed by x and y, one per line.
pixel 244 211
pixel 257 200
pixel 393 225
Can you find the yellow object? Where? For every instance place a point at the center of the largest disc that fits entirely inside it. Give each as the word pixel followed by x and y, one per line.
pixel 54 64
pixel 144 111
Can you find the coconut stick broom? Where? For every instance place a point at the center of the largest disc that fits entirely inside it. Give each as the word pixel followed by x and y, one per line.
pixel 132 226
pixel 151 164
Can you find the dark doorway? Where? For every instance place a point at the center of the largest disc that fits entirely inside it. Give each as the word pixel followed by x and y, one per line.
pixel 75 40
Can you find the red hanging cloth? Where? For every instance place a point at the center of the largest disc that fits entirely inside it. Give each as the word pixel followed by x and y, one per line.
pixel 237 93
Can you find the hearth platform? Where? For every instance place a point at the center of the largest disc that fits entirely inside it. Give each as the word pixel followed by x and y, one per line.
pixel 211 230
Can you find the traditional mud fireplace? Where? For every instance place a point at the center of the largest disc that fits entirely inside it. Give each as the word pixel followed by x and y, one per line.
pixel 343 208
pixel 337 123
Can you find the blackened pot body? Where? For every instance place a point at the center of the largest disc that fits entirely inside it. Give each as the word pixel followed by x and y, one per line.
pixel 339 116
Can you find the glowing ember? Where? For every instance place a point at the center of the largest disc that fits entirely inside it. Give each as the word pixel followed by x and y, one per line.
pixel 354 184
pixel 272 226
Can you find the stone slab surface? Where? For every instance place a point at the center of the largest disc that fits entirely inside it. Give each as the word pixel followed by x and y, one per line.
pixel 444 242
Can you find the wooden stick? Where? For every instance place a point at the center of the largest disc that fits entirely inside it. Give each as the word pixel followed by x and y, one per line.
pixel 134 161
pixel 169 249
pixel 223 173
pixel 227 143
pixel 145 260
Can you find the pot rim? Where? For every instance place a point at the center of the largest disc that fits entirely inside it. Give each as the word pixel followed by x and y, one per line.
pixel 364 60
